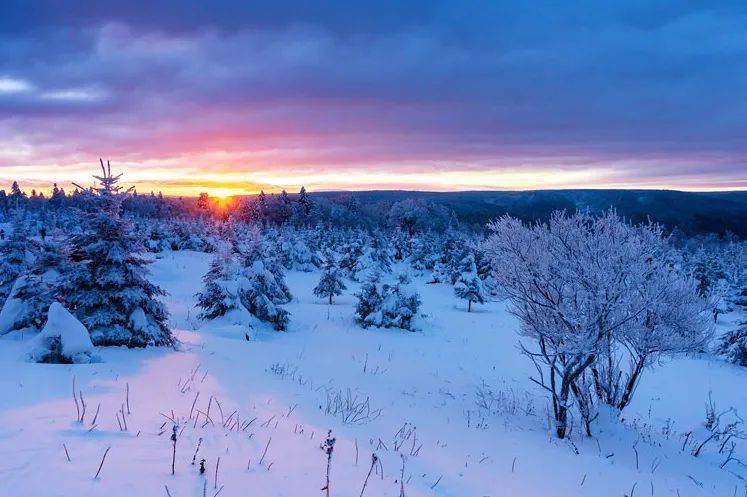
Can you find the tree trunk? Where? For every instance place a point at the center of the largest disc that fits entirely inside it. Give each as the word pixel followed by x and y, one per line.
pixel 469 306
pixel 631 384
pixel 330 299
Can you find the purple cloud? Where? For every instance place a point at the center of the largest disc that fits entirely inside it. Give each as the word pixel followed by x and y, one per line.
pixel 637 93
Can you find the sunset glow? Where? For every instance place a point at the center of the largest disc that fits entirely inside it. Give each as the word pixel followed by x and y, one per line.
pixel 420 95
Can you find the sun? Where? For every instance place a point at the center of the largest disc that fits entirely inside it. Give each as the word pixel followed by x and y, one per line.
pixel 222 194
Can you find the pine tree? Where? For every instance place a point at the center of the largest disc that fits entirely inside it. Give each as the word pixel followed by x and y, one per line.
pixel 330 283
pixel 304 201
pixel 733 345
pixel 203 202
pixel 58 196
pixel 263 294
pixel 301 257
pixel 400 304
pixel 12 257
pixel 107 287
pixel 3 202
pixel 254 247
pixel 38 286
pixel 17 196
pixel 222 292
pixel 469 285
pixel 369 299
pixel 388 305
pixel 351 255
pixel 285 208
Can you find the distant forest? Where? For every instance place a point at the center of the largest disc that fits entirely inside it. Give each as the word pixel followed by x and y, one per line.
pixel 694 213
pixel 723 214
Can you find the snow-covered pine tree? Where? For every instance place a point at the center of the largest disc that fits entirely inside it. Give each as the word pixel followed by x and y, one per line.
pixel 17 196
pixel 107 287
pixel 262 295
pixel 485 270
pixel 222 291
pixel 387 305
pixel 36 289
pixel 400 304
pixel 330 283
pixel 733 345
pixel 301 257
pixel 350 255
pixel 469 286
pixel 271 257
pixel 12 256
pixel 248 243
pixel 380 252
pixel 304 201
pixel 284 208
pixel 369 299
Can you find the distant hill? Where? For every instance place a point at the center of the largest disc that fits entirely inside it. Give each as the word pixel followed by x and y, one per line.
pixel 693 212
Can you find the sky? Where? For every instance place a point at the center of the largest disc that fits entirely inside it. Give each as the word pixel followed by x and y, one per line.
pixel 231 97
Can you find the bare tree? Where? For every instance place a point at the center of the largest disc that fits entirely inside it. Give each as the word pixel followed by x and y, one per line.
pixel 581 285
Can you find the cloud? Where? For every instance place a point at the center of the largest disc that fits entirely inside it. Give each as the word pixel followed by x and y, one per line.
pixel 475 86
pixel 11 85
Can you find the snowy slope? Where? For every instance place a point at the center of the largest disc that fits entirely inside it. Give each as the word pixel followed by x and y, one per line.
pixel 422 392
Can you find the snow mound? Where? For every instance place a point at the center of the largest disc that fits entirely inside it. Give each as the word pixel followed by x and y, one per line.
pixel 64 339
pixel 12 310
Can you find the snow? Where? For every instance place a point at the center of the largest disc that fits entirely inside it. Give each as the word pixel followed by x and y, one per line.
pixel 74 340
pixel 458 386
pixel 13 309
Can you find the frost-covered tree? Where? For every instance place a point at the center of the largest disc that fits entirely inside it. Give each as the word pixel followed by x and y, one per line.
pixel 107 286
pixel 12 256
pixel 580 283
pixel 222 291
pixel 330 282
pixel 469 285
pixel 670 316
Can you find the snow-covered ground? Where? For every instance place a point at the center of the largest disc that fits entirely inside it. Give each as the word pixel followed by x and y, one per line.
pixel 453 398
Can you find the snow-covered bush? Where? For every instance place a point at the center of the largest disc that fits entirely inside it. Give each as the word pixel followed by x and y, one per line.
pixel 733 345
pixel 107 286
pixel 388 305
pixel 330 282
pixel 63 340
pixel 469 285
pixel 594 294
pixel 13 310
